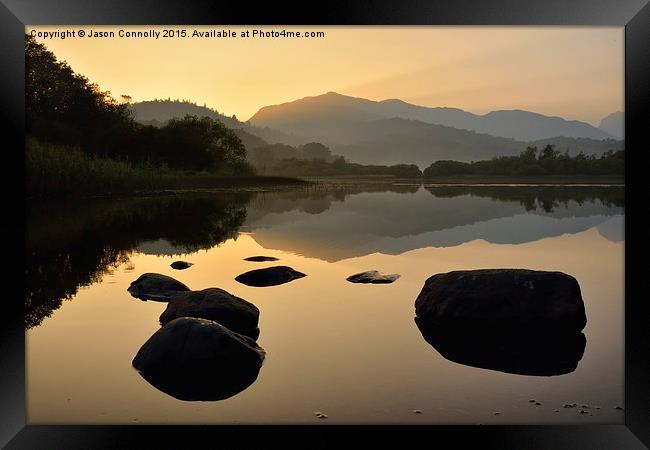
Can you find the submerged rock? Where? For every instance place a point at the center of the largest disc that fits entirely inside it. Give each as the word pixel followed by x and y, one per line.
pixel 498 298
pixel 260 258
pixel 373 277
pixel 155 286
pixel 215 304
pixel 181 265
pixel 523 353
pixel 198 359
pixel 271 276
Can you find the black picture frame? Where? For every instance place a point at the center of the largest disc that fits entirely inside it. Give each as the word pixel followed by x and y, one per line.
pixel 634 15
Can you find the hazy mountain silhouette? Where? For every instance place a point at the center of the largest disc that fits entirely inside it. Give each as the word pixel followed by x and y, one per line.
pixel 307 115
pixel 157 112
pixel 395 141
pixel 369 132
pixel 614 124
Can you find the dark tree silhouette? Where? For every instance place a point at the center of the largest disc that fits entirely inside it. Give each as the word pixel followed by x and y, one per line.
pixel 532 161
pixel 63 107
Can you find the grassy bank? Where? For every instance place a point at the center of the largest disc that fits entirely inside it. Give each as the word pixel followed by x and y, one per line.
pixel 58 171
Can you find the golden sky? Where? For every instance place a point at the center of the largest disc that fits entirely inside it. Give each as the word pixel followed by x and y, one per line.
pixel 573 72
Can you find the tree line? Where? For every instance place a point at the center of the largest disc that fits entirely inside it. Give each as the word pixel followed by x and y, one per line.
pixel 534 162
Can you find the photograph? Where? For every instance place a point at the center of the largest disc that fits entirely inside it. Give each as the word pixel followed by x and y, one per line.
pixel 399 223
pixel 347 225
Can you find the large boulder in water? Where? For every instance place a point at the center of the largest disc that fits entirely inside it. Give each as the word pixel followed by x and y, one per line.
pixel 155 286
pixel 198 359
pixel 502 298
pixel 271 276
pixel 372 277
pixel 522 353
pixel 215 304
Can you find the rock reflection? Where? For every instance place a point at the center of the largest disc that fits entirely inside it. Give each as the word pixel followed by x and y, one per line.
pixel 203 386
pixel 521 353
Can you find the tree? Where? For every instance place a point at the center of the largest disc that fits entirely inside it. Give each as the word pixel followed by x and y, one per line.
pixel 61 105
pixel 549 152
pixel 200 143
pixel 530 153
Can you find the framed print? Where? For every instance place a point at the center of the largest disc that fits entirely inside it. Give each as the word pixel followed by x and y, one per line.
pixel 390 220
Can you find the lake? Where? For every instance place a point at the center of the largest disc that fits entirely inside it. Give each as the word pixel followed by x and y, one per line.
pixel 350 351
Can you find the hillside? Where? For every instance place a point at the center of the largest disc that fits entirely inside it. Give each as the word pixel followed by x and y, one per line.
pixel 319 116
pixel 394 141
pixel 157 112
pixel 614 124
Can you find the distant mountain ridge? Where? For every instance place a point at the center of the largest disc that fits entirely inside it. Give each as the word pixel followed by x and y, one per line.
pixel 157 112
pixel 363 136
pixel 304 116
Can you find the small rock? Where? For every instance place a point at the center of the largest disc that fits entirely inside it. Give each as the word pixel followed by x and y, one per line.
pixel 180 265
pixel 584 406
pixel 618 408
pixel 532 401
pixel 155 286
pixel 582 411
pixel 372 277
pixel 497 413
pixel 320 415
pixel 570 405
pixel 271 276
pixel 537 403
pixel 417 411
pixel 260 258
pixel 556 410
pixel 597 407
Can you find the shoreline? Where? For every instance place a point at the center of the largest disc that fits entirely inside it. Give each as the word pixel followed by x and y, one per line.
pixel 551 180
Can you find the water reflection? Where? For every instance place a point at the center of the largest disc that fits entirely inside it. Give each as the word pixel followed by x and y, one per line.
pixel 74 245
pixel 394 223
pixel 517 353
pixel 204 386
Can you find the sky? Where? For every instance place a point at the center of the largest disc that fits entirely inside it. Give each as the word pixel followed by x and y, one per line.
pixel 573 72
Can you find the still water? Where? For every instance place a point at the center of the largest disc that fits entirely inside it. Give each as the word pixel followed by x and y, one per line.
pixel 350 351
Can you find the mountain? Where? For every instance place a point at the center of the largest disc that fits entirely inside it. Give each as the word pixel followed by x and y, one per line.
pixel 397 141
pixel 614 124
pixel 157 112
pixel 319 116
pixel 358 130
